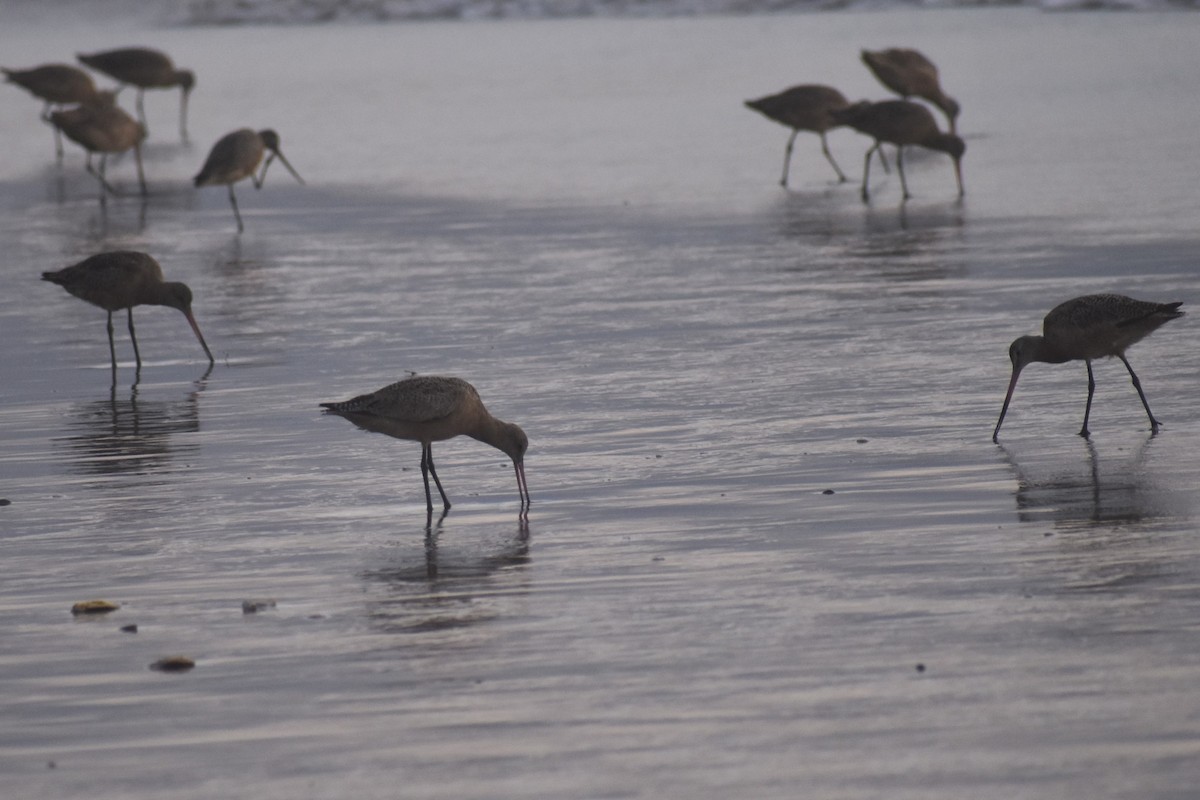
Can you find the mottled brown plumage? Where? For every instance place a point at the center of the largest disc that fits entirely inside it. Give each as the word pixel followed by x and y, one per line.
pixel 124 279
pixel 1086 328
pixel 427 409
pixel 807 107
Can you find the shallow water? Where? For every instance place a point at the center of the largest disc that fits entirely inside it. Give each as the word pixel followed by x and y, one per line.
pixel 580 218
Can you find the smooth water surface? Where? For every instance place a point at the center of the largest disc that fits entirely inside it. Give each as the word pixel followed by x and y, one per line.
pixel 764 488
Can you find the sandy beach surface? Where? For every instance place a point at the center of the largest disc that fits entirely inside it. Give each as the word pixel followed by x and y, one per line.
pixel 772 553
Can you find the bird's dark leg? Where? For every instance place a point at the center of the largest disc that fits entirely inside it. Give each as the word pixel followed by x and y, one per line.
pixel 233 202
pixel 112 350
pixel 58 148
pixel 1138 385
pixel 137 356
pixel 1087 411
pixel 142 111
pixel 867 171
pixel 183 103
pixel 104 187
pixel 137 155
pixel 425 448
pixel 900 169
pixel 433 472
pixel 883 160
pixel 787 156
pixel 262 176
pixel 829 156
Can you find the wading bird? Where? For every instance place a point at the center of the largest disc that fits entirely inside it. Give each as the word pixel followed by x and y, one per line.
pixel 103 129
pixel 901 123
pixel 807 107
pixel 1086 328
pixel 908 73
pixel 429 409
pixel 58 85
pixel 236 156
pixel 145 69
pixel 124 279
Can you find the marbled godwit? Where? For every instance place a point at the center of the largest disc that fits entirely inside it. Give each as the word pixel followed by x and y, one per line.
pixel 1089 327
pixel 429 409
pixel 235 156
pixel 58 84
pixel 124 279
pixel 145 69
pixel 901 123
pixel 910 74
pixel 806 107
pixel 103 129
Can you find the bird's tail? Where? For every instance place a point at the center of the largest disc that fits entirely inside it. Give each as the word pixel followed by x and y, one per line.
pixel 342 408
pixel 53 277
pixel 1164 311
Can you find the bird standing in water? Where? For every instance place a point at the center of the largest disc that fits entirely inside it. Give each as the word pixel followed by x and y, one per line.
pixel 909 73
pixel 145 69
pixel 901 123
pixel 124 279
pixel 428 409
pixel 807 107
pixel 1086 328
pixel 103 129
pixel 61 85
pixel 236 156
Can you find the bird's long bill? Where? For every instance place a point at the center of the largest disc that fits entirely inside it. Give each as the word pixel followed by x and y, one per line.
pixel 1012 384
pixel 192 321
pixel 958 175
pixel 522 484
pixel 290 169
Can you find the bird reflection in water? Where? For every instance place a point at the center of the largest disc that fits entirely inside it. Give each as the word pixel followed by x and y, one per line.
pixel 131 435
pixel 1088 495
pixel 448 588
pixel 1103 519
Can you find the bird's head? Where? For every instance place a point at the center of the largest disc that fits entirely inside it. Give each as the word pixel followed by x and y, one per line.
pixel 1023 351
pixel 513 442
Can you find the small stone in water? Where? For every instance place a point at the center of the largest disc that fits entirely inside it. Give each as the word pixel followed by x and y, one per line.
pixel 254 606
pixel 827 491
pixel 173 664
pixel 129 629
pixel 93 607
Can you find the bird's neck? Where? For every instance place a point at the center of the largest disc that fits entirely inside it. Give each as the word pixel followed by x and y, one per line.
pixel 1045 351
pixel 487 429
pixel 945 142
pixel 490 430
pixel 160 294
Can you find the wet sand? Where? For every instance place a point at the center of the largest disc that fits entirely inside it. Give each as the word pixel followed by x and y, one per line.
pixel 580 218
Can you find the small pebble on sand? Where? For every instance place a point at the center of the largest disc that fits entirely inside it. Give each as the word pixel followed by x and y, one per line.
pixel 254 606
pixel 93 607
pixel 173 664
